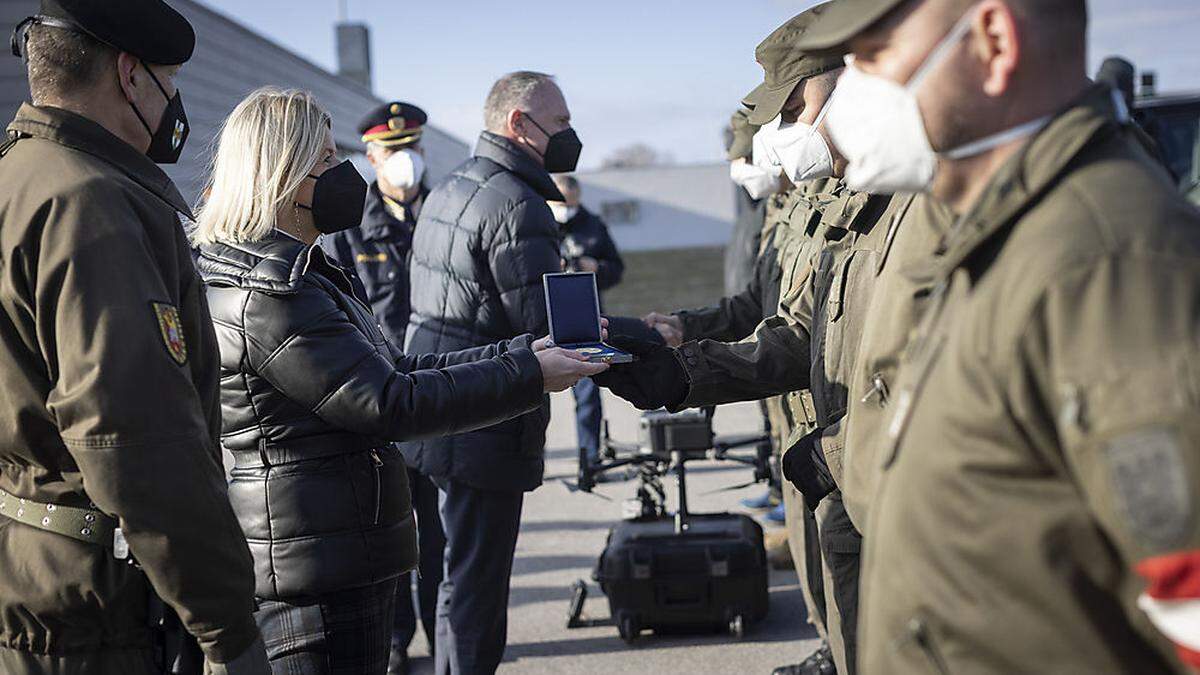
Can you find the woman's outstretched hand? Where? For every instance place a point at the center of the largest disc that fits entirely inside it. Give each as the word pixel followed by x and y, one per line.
pixel 562 368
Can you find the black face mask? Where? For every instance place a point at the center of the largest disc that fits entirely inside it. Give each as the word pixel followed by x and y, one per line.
pixel 562 150
pixel 338 199
pixel 166 143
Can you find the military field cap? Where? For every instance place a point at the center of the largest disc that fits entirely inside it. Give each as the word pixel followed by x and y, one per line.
pixel 836 21
pixel 393 124
pixel 149 29
pixel 742 135
pixel 785 65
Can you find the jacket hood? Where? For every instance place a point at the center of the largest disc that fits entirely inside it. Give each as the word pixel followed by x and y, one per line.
pixel 276 264
pixel 506 153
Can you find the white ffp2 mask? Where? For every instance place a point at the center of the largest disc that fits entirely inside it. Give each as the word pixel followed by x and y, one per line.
pixel 403 169
pixel 877 126
pixel 799 150
pixel 563 213
pixel 757 181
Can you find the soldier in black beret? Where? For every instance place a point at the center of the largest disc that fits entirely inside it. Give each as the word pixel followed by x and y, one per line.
pixel 378 252
pixel 109 446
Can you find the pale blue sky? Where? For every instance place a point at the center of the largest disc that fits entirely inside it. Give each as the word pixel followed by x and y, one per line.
pixel 664 72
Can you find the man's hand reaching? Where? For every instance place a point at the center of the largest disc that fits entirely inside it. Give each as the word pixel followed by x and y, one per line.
pixel 668 326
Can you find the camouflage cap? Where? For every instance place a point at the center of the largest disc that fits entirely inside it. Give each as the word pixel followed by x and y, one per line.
pixel 833 23
pixel 742 135
pixel 785 65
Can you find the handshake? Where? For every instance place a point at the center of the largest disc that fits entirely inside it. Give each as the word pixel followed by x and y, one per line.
pixel 657 379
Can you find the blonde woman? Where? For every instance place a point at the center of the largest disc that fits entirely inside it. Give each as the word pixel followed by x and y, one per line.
pixel 313 394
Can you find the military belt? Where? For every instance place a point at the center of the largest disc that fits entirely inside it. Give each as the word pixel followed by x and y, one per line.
pixel 87 525
pixel 273 453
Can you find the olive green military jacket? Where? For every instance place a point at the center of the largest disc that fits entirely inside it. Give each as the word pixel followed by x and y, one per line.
pixel 1041 465
pixel 110 396
pixel 829 308
pixel 735 317
pixel 776 358
pixel 889 275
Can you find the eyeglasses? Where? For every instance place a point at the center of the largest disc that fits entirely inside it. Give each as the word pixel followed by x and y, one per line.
pixel 20 34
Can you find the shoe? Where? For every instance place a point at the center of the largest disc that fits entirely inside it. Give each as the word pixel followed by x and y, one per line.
pixel 398 663
pixel 776 515
pixel 819 662
pixel 759 503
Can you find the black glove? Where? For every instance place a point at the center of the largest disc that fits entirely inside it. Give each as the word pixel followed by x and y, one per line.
pixel 804 466
pixel 656 380
pixel 627 329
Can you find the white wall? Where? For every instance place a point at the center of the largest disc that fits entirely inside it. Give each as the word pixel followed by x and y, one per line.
pixel 677 206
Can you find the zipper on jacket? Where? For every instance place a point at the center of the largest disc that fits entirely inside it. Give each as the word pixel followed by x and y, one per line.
pixel 878 388
pixel 919 631
pixel 378 462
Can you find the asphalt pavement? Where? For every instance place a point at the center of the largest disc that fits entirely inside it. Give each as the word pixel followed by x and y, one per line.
pixel 562 534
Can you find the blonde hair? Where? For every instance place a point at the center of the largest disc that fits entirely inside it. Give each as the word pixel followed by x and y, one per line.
pixel 266 147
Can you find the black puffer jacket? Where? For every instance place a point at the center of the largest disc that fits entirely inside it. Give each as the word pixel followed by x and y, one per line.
pixel 311 395
pixel 484 239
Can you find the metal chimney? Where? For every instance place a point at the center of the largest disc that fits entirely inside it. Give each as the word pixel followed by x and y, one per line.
pixel 1149 84
pixel 354 50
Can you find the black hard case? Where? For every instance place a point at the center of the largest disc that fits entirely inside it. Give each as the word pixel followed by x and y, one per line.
pixel 712 576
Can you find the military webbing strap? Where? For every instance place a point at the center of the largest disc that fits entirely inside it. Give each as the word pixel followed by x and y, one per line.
pixel 86 525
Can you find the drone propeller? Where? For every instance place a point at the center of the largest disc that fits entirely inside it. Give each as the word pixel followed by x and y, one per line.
pixel 574 487
pixel 730 488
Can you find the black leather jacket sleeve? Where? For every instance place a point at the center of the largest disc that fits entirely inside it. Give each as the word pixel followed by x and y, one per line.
pixel 410 362
pixel 308 348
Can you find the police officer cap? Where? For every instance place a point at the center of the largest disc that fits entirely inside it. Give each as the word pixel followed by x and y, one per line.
pixel 149 29
pixel 393 124
pixel 837 21
pixel 786 65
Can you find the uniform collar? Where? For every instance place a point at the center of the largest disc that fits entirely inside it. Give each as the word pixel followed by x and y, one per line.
pixel 1034 170
pixel 379 222
pixel 506 153
pixel 80 133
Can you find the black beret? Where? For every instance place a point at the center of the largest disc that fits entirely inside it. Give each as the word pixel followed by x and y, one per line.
pixel 394 123
pixel 149 29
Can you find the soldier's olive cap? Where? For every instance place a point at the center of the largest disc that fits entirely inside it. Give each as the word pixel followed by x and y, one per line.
pixel 741 144
pixel 835 22
pixel 149 29
pixel 786 65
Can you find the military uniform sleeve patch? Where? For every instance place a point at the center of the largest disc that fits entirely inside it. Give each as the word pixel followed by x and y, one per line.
pixel 171 329
pixel 1150 477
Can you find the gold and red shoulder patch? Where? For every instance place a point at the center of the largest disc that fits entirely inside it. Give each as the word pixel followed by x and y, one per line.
pixel 172 331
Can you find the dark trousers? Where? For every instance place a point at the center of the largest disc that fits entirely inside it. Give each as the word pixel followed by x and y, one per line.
pixel 432 544
pixel 841 549
pixel 588 417
pixel 481 539
pixel 343 633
